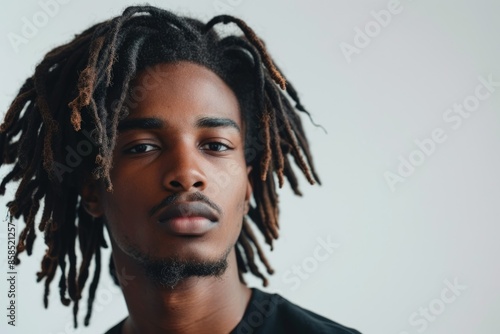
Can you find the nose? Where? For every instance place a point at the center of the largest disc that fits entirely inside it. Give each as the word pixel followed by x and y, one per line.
pixel 183 171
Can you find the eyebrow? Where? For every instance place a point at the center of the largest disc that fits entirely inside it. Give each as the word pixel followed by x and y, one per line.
pixel 140 123
pixel 152 123
pixel 215 122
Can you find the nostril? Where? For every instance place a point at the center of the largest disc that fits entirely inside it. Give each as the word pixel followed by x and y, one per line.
pixel 175 184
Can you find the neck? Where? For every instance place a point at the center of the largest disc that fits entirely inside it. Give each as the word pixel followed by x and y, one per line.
pixel 194 305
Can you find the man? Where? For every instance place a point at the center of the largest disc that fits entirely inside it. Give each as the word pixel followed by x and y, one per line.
pixel 173 138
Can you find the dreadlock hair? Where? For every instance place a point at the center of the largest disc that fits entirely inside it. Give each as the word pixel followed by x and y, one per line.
pixel 81 90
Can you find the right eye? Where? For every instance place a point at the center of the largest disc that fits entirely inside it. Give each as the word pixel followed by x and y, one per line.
pixel 141 148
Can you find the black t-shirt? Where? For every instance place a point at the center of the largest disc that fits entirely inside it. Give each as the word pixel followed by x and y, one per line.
pixel 272 314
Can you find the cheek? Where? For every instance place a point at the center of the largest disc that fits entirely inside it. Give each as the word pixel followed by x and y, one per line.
pixel 126 204
pixel 228 183
pixel 229 187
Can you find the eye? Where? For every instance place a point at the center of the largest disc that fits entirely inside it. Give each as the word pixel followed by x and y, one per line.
pixel 215 147
pixel 141 148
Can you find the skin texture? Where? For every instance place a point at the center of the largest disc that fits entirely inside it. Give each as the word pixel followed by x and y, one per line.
pixel 182 157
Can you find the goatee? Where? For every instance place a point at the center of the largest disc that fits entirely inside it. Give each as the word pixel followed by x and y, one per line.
pixel 168 272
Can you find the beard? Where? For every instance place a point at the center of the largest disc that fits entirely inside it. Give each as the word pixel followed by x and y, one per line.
pixel 168 272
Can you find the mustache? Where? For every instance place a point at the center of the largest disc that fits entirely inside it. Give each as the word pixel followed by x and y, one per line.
pixel 191 197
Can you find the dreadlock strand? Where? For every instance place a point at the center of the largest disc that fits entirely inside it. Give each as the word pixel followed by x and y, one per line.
pixel 134 51
pixel 62 283
pixel 278 155
pixel 51 271
pixel 30 221
pixel 291 177
pixel 26 94
pixel 178 22
pixel 15 210
pixel 232 41
pixel 273 200
pixel 265 213
pixel 111 42
pixel 47 211
pixel 266 159
pixel 50 125
pixel 68 49
pixel 86 84
pixel 242 266
pixel 272 216
pixel 93 285
pixel 249 253
pixel 9 177
pixel 254 39
pixel 88 245
pixel 112 270
pixel 298 129
pixel 296 152
pixel 88 249
pixel 251 236
pixel 56 244
pixel 254 215
pixel 28 145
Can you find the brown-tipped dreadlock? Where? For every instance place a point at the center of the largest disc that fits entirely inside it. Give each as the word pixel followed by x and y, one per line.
pixel 82 89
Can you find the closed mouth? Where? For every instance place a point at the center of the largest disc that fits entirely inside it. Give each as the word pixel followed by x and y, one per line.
pixel 187 209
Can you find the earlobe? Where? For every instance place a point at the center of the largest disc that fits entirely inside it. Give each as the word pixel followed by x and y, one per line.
pixel 90 198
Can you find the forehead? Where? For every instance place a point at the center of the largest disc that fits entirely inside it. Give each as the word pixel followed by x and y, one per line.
pixel 184 88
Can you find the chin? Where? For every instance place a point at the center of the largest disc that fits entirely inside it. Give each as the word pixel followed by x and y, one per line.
pixel 185 249
pixel 170 269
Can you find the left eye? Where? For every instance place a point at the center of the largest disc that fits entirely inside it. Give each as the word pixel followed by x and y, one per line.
pixel 215 146
pixel 141 148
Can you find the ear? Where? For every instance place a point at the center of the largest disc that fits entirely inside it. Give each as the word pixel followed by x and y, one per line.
pixel 91 199
pixel 249 190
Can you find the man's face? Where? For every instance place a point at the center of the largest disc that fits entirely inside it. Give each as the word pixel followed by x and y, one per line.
pixel 180 181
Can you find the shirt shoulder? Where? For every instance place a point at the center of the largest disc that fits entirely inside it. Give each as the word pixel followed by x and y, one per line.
pixel 117 329
pixel 271 313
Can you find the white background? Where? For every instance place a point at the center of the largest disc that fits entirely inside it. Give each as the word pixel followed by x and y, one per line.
pixel 397 248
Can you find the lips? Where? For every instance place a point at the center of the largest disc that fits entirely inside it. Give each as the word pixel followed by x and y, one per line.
pixel 191 218
pixel 187 210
